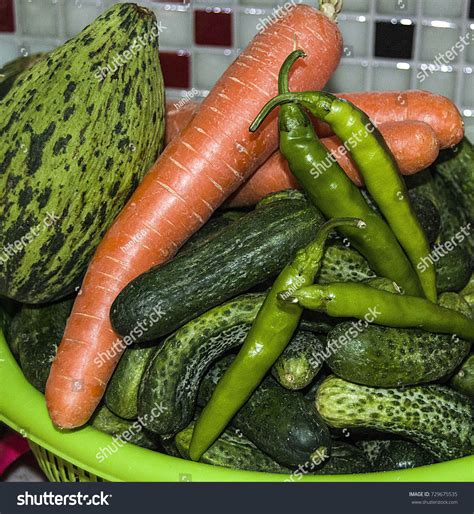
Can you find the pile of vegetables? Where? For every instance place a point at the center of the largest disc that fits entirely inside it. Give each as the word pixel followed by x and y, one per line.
pixel 257 298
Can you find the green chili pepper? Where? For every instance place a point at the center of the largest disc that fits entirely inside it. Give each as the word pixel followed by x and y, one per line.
pixel 378 168
pixel 357 300
pixel 271 332
pixel 329 188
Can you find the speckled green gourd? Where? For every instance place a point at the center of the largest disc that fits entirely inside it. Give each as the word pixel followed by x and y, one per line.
pixel 36 331
pixel 76 143
pixel 231 450
pixel 435 417
pixel 298 364
pixel 172 376
pixel 121 396
pixel 463 379
pixel 345 459
pixel 123 430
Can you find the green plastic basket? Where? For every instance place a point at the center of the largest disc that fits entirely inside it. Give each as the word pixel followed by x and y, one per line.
pixel 70 456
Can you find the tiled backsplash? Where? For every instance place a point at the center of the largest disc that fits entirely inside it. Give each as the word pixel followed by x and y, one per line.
pixel 389 44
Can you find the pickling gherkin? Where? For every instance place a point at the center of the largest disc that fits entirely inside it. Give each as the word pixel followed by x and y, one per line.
pixel 79 130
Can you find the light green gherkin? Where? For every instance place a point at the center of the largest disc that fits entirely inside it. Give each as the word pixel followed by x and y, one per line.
pixel 78 132
pixel 433 416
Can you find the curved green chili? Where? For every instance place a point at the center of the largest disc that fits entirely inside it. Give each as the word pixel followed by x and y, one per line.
pixel 357 300
pixel 329 188
pixel 271 332
pixel 378 168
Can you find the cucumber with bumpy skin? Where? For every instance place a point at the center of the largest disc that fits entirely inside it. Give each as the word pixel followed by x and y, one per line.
pixel 279 422
pixel 246 253
pixel 123 430
pixel 372 448
pixel 231 450
pixel 297 365
pixel 463 379
pixel 425 209
pixel 399 454
pixel 37 331
pixel 435 417
pixel 456 167
pixel 121 396
pixel 391 357
pixel 343 264
pixel 453 268
pixel 173 374
pixel 468 293
pixel 345 459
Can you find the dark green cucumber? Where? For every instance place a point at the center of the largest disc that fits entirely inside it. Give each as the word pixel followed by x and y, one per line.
pixel 281 423
pixel 427 214
pixel 297 366
pixel 231 450
pixel 425 209
pixel 169 446
pixel 10 71
pixel 246 253
pixel 457 169
pixel 212 227
pixel 463 379
pixel 37 331
pixel 343 264
pixel 400 454
pixel 172 376
pixel 454 248
pixel 76 142
pixel 121 396
pixel 345 459
pixel 372 448
pixel 468 293
pixel 123 430
pixel 5 321
pixel 310 393
pixel 435 417
pixel 453 268
pixel 392 357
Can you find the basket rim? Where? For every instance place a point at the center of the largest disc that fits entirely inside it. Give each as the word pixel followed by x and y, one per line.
pixel 132 463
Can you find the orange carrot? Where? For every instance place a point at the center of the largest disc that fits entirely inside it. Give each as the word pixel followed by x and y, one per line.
pixel 213 155
pixel 437 111
pixel 177 117
pixel 382 107
pixel 413 144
